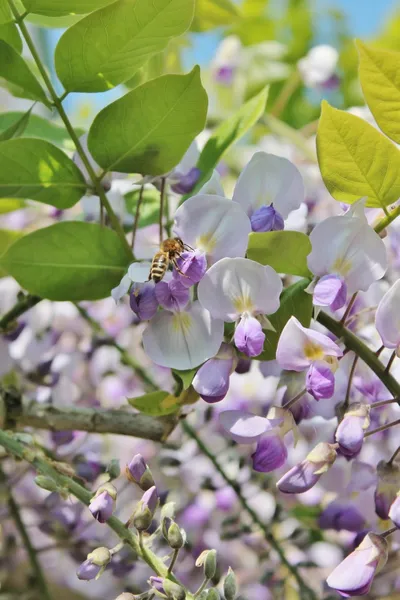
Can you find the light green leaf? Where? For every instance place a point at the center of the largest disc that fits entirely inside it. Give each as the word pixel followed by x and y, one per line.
pixel 68 261
pixel 380 80
pixel 284 251
pixel 150 207
pixel 38 127
pixel 14 70
pixel 60 8
pixel 9 34
pixel 294 302
pixel 356 160
pixel 7 238
pixel 214 13
pixel 17 128
pixel 53 22
pixel 155 404
pixel 117 40
pixel 37 170
pixel 229 132
pixel 150 128
pixel 5 12
pixel 10 204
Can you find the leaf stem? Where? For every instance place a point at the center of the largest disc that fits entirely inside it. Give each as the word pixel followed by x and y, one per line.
pixel 391 360
pixel 386 220
pixel 33 559
pixel 201 588
pixel 173 560
pixel 394 456
pixel 22 305
pixel 348 391
pixel 348 309
pixel 290 403
pixel 60 109
pixel 306 591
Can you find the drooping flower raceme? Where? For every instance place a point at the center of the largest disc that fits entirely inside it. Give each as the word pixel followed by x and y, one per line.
pixel 387 318
pixel 347 256
pixel 268 189
pixel 354 575
pixel 238 290
pixel 301 349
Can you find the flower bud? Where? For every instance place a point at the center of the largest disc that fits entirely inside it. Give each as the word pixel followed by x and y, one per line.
pixel 94 564
pixel 145 510
pixel 157 583
pixel 138 472
pixel 46 483
pixel 230 585
pixel 350 431
pixel 305 475
pixel 174 537
pixel 213 594
pixel 394 512
pixel 102 504
pixel 113 469
pixel 208 560
pixel 173 590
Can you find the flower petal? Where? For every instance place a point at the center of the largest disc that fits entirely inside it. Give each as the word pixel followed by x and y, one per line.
pixel 244 427
pixel 269 179
pixel 119 292
pixel 139 272
pixel 183 340
pixel 387 318
pixel 213 186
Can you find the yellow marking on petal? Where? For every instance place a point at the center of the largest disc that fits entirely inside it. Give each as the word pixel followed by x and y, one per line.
pixel 243 304
pixel 313 351
pixel 342 266
pixel 181 321
pixel 206 242
pixel 264 199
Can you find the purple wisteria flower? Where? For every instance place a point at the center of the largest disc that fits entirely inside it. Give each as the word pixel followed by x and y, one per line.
pixel 320 381
pixel 95 564
pixel 193 265
pixel 172 295
pixel 338 516
pixel 305 475
pixel 268 189
pixel 138 472
pixel 185 175
pixel 270 454
pixel 143 300
pixel 394 512
pixel 330 290
pixel 212 379
pixel 354 575
pixel 102 504
pixel 239 289
pixel 350 431
pixel 387 318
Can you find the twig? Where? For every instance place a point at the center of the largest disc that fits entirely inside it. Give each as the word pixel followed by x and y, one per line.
pixel 382 428
pixel 137 216
pixel 348 309
pixel 348 391
pixel 21 307
pixel 162 197
pixel 391 360
pixel 294 400
pixel 393 457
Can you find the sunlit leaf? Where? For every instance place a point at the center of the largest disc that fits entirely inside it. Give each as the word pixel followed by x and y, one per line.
pixel 5 12
pixel 356 160
pixel 155 404
pixel 214 13
pixel 294 302
pixel 117 40
pixel 380 80
pixel 284 251
pixel 39 127
pixel 10 204
pixel 150 128
pixel 17 128
pixel 14 70
pixel 60 8
pixel 70 260
pixel 37 170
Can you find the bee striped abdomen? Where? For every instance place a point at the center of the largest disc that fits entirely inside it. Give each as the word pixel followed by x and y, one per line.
pixel 159 266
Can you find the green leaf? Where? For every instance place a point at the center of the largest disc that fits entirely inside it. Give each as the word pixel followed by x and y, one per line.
pixel 284 251
pixel 17 128
pixel 7 238
pixel 37 170
pixel 150 207
pixel 117 40
pixel 155 404
pixel 60 8
pixel 186 376
pixel 9 34
pixel 38 127
pixel 5 12
pixel 68 261
pixel 10 204
pixel 229 132
pixel 150 128
pixel 380 80
pixel 356 160
pixel 14 70
pixel 294 302
pixel 214 13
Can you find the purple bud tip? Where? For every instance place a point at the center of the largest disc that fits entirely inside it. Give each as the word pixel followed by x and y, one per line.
pixel 249 336
pixel 266 218
pixel 270 454
pixel 102 507
pixel 350 435
pixel 88 571
pixel 193 265
pixel 150 499
pixel 224 75
pixel 157 583
pixel 186 182
pixel 137 467
pixel 320 381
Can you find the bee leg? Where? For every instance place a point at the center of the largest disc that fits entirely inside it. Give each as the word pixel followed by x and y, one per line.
pixel 177 268
pixel 187 247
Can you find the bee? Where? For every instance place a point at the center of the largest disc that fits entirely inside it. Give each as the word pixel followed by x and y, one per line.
pixel 170 250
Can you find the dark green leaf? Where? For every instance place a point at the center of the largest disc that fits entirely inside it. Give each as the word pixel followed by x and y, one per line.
pixel 37 170
pixel 284 251
pixel 14 70
pixel 294 302
pixel 68 261
pixel 186 376
pixel 7 238
pixel 17 128
pixel 155 404
pixel 38 127
pixel 150 128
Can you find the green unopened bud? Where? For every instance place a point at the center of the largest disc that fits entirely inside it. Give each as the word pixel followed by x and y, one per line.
pixel 208 560
pixel 173 590
pixel 113 469
pixel 126 596
pixel 46 483
pixel 230 585
pixel 175 537
pixel 213 594
pixel 109 488
pixel 100 556
pixel 142 518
